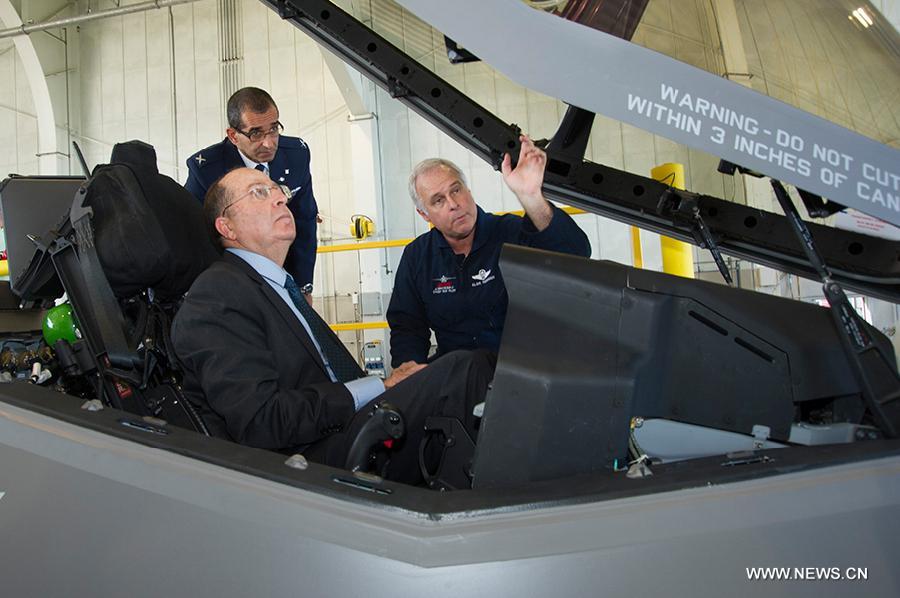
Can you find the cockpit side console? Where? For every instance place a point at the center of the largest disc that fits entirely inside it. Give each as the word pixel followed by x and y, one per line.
pixel 589 345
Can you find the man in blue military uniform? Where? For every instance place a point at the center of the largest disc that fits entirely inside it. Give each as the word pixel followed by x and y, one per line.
pixel 449 278
pixel 254 140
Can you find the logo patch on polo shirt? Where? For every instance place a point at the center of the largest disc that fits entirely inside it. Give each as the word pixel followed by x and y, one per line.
pixel 444 284
pixel 483 277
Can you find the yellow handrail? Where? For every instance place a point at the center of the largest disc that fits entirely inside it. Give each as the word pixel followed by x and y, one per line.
pixel 361 246
pixel 566 209
pixel 358 326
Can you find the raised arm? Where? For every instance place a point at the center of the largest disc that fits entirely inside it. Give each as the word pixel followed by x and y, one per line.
pixel 526 179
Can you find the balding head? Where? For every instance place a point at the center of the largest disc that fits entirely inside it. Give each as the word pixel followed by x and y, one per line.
pixel 246 210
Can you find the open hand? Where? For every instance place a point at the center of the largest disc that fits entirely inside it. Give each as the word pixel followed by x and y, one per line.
pixel 402 372
pixel 526 178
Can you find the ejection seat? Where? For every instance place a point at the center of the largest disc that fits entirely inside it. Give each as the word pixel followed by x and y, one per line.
pixel 125 256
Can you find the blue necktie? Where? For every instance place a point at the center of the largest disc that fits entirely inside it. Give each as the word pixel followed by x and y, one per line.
pixel 262 169
pixel 342 363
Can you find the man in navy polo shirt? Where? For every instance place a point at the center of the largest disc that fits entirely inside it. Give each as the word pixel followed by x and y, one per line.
pixel 254 140
pixel 449 278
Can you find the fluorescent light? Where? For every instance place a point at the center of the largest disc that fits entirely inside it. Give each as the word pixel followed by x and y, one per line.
pixel 862 16
pixel 865 15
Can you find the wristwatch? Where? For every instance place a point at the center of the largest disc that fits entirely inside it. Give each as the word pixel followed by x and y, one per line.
pixel 306 289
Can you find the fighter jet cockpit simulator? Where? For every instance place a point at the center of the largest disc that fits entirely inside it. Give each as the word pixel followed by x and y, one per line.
pixel 644 434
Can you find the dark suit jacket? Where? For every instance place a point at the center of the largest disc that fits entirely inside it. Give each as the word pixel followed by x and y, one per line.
pixel 250 367
pixel 289 167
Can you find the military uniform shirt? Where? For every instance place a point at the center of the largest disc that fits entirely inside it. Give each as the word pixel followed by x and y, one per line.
pixel 463 299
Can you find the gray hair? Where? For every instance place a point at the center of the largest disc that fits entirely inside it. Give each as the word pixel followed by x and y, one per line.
pixel 425 166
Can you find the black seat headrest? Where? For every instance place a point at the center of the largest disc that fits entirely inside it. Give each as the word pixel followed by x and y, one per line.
pixel 134 153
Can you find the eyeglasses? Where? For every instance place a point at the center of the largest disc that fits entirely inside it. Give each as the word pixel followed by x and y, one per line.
pixel 257 135
pixel 263 193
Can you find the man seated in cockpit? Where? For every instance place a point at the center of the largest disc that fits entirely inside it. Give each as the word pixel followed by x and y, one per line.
pixel 264 370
